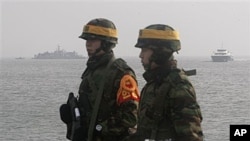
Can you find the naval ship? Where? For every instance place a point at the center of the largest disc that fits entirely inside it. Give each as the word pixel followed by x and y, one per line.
pixel 58 54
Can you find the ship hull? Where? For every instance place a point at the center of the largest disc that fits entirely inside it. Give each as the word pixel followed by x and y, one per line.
pixel 58 54
pixel 221 58
pixel 58 57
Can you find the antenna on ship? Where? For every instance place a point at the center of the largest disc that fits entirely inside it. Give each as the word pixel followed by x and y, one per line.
pixel 58 47
pixel 222 46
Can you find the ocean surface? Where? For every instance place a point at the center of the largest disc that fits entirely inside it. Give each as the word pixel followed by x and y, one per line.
pixel 32 91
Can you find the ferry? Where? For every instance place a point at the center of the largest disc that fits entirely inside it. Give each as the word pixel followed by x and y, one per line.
pixel 58 54
pixel 222 55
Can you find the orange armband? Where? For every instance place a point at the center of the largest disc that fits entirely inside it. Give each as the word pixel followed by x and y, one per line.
pixel 128 90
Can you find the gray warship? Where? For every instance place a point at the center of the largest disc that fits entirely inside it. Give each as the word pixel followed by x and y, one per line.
pixel 58 54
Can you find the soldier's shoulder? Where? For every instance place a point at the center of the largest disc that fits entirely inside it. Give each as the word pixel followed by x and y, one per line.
pixel 121 65
pixel 177 77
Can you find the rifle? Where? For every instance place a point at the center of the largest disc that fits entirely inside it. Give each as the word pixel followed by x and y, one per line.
pixel 190 72
pixel 70 115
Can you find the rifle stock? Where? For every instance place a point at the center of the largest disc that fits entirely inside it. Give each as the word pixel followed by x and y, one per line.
pixel 71 116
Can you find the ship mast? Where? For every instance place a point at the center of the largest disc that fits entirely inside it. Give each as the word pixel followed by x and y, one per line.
pixel 58 47
pixel 222 45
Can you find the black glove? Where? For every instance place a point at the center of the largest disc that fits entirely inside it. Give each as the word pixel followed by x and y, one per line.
pixel 65 113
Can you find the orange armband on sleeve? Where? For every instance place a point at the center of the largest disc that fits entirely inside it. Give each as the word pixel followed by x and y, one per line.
pixel 128 90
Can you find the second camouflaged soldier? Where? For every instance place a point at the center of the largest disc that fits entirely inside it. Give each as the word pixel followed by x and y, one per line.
pixel 168 110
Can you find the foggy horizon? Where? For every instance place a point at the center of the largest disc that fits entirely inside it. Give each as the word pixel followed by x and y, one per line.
pixel 32 27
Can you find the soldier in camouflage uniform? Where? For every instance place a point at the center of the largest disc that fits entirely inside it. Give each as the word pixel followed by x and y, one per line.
pixel 119 101
pixel 168 110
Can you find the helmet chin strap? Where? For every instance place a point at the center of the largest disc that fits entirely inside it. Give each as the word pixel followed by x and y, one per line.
pixel 96 52
pixel 102 47
pixel 152 58
pixel 148 66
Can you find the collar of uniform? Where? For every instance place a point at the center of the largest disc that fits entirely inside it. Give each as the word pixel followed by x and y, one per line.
pixel 157 74
pixel 97 61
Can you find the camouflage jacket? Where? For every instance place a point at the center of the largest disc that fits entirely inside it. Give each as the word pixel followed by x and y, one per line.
pixel 168 108
pixel 117 111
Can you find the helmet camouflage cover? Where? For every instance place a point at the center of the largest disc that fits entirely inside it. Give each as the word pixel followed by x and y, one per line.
pixel 100 28
pixel 159 35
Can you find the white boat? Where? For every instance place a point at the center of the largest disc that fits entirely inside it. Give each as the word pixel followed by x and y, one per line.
pixel 221 55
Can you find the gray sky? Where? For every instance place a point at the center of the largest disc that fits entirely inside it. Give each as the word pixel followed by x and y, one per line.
pixel 32 26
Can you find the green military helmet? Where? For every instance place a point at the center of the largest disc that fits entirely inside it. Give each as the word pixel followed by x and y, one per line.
pixel 100 28
pixel 159 35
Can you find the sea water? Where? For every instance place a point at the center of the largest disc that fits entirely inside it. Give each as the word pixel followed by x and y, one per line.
pixel 32 91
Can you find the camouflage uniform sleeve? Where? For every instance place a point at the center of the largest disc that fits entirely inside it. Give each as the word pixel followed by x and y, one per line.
pixel 127 100
pixel 127 103
pixel 185 113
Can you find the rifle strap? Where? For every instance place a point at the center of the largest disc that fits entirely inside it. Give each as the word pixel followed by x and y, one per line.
pixel 98 101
